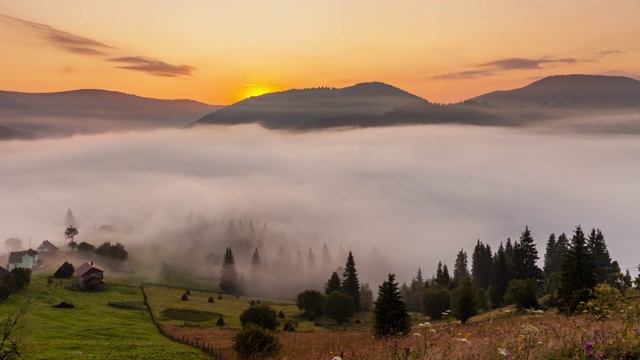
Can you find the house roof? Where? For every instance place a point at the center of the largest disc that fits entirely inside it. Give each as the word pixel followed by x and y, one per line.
pixel 84 268
pixel 47 245
pixel 64 271
pixel 15 257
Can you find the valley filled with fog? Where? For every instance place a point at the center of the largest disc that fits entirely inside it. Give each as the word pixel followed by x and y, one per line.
pixel 400 198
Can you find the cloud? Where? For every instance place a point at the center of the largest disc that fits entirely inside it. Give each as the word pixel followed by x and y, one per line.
pixel 62 39
pixel 153 66
pixel 494 67
pixel 419 195
pixel 84 46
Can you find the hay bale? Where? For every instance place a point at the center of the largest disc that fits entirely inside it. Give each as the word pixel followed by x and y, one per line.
pixel 184 297
pixel 211 299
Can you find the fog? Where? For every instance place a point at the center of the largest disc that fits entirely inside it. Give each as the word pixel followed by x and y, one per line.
pixel 400 198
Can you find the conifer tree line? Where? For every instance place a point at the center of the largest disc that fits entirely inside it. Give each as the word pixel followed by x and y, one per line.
pixel 573 266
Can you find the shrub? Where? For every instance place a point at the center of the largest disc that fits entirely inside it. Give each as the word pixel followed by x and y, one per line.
pixel 220 322
pixel 21 276
pixel 339 306
pixel 281 315
pixel 288 327
pixel 522 293
pixel 211 299
pixel 253 342
pixel 85 247
pixel 184 297
pixel 311 302
pixel 261 315
pixel 435 301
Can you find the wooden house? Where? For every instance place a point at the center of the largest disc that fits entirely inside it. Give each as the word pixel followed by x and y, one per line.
pixel 27 259
pixel 65 271
pixel 47 248
pixel 90 276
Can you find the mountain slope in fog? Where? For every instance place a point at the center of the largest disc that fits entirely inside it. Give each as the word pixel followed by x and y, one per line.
pixel 11 134
pixel 93 111
pixel 309 108
pixel 570 91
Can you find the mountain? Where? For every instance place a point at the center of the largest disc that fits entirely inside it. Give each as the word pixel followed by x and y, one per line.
pixel 11 134
pixel 94 111
pixel 570 91
pixel 306 108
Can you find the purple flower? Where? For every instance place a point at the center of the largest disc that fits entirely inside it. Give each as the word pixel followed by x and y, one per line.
pixel 590 355
pixel 589 347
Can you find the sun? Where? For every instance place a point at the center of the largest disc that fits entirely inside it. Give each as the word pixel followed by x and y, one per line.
pixel 251 90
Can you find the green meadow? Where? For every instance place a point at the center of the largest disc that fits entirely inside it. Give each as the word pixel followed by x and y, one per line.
pixel 91 330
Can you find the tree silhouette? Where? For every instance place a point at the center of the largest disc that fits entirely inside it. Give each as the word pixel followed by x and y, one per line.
pixel 333 284
pixel 229 275
pixel 578 272
pixel 350 283
pixel 70 233
pixel 390 316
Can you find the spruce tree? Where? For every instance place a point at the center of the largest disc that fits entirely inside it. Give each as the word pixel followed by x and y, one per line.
pixel 500 279
pixel 481 265
pixel 311 258
pixel 446 278
pixel 550 255
pixel 578 272
pixel 598 249
pixel 390 316
pixel 326 255
pixel 509 253
pixel 525 257
pixel 460 269
pixel 229 275
pixel 463 300
pixel 69 219
pixel 334 284
pixel 415 292
pixel 255 259
pixel 350 282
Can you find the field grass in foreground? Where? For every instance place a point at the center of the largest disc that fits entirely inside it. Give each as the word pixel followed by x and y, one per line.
pixel 92 330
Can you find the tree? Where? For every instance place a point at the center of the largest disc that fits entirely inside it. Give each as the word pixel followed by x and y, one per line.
pixel 311 301
pixel 598 249
pixel 311 258
pixel 578 272
pixel 339 306
pixel 255 259
pixel 366 297
pixel 85 247
pixel 69 219
pixel 333 284
pixel 10 336
pixel 390 314
pixel 414 292
pixel 261 315
pixel 229 275
pixel 70 233
pixel 21 276
pixel 326 255
pixel 482 265
pixel 115 251
pixel 460 269
pixel 253 342
pixel 435 300
pixel 522 293
pixel 350 282
pixel 14 243
pixel 500 279
pixel 442 276
pixel 463 300
pixel 525 257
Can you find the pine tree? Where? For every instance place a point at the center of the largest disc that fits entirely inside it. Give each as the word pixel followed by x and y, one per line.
pixel 390 316
pixel 69 219
pixel 311 259
pixel 334 284
pixel 229 275
pixel 350 282
pixel 255 259
pixel 598 249
pixel 500 280
pixel 326 255
pixel 464 304
pixel 578 272
pixel 550 255
pixel 525 257
pixel 509 253
pixel 460 269
pixel 446 278
pixel 482 265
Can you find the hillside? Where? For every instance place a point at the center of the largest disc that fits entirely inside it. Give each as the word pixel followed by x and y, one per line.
pixel 93 111
pixel 303 109
pixel 10 134
pixel 570 91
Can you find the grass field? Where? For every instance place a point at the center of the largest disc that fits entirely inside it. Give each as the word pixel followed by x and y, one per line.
pixel 92 330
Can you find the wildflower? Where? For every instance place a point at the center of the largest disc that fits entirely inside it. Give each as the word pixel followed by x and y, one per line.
pixel 464 341
pixel 503 352
pixel 589 346
pixel 416 335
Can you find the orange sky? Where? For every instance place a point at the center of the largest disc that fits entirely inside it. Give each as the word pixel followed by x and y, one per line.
pixel 221 51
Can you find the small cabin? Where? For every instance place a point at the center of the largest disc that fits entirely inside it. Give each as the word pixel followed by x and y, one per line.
pixel 65 271
pixel 90 276
pixel 47 248
pixel 27 259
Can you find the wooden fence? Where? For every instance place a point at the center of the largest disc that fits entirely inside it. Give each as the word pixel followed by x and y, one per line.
pixel 215 354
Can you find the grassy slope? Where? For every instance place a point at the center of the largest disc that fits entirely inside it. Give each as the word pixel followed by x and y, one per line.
pixel 91 330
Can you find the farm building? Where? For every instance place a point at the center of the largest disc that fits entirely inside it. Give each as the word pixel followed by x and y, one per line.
pixel 47 248
pixel 65 271
pixel 90 276
pixel 22 259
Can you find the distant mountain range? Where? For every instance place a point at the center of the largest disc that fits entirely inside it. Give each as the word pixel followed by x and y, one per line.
pixel 552 101
pixel 379 104
pixel 93 111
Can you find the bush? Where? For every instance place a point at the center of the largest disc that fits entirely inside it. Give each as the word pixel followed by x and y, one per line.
pixel 261 315
pixel 86 247
pixel 116 251
pixel 522 293
pixel 435 301
pixel 253 342
pixel 22 277
pixel 311 302
pixel 339 306
pixel 220 322
pixel 211 299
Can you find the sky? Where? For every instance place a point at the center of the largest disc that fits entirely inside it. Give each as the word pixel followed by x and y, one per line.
pixel 219 52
